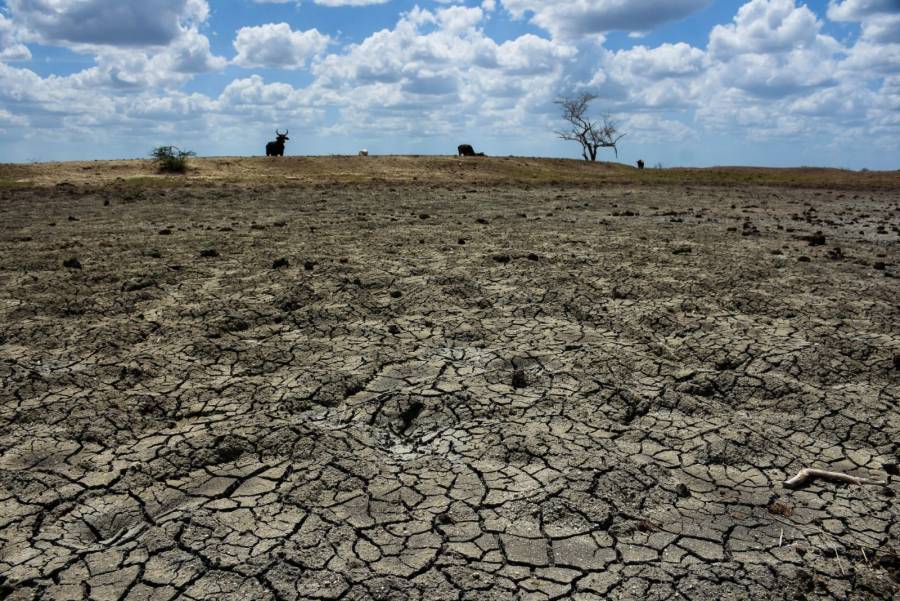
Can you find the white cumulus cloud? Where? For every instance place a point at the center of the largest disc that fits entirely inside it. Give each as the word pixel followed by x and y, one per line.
pixel 108 22
pixel 327 2
pixel 277 45
pixel 10 48
pixel 880 19
pixel 584 17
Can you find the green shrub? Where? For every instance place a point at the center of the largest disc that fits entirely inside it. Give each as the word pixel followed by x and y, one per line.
pixel 171 159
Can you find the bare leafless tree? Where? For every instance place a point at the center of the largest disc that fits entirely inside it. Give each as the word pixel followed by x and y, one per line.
pixel 590 134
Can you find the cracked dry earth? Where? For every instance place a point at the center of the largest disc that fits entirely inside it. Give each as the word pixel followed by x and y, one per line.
pixel 447 393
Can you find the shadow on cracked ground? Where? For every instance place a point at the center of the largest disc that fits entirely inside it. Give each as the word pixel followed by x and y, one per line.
pixel 419 392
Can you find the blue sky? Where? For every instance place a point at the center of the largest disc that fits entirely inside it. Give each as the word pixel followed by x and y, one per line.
pixel 691 82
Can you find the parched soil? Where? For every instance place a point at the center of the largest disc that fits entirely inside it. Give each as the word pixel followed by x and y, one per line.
pixel 473 390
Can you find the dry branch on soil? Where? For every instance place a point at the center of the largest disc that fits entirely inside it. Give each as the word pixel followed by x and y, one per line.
pixel 806 475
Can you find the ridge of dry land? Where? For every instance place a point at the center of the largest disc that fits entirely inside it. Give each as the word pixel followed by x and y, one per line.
pixel 429 169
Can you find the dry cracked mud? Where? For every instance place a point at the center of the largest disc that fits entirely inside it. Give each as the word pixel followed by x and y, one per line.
pixel 448 392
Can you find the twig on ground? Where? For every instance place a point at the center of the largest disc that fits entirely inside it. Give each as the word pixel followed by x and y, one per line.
pixel 806 475
pixel 837 556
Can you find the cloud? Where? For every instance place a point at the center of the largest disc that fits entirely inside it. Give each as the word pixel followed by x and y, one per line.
pixel 880 19
pixel 665 61
pixel 437 72
pixel 444 54
pixel 135 45
pixel 327 2
pixel 532 55
pixel 772 49
pixel 11 119
pixel 108 22
pixel 45 101
pixel 350 2
pixel 134 70
pixel 10 48
pixel 869 59
pixel 766 26
pixel 653 128
pixel 642 78
pixel 253 92
pixel 586 17
pixel 277 45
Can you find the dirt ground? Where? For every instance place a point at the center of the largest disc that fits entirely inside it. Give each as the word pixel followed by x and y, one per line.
pixel 450 388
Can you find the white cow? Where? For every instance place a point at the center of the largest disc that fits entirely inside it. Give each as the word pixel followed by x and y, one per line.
pixel 363 153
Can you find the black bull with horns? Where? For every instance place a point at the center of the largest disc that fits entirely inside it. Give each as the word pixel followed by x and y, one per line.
pixel 466 150
pixel 276 148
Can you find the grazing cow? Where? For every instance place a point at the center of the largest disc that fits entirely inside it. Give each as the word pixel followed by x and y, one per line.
pixel 640 164
pixel 276 148
pixel 466 150
pixel 363 153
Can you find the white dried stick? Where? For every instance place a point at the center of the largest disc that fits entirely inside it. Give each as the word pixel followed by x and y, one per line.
pixel 805 475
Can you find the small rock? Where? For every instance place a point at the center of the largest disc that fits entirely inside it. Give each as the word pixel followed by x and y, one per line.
pixel 804 259
pixel 533 257
pixel 817 239
pixel 137 284
pixel 836 254
pixel 309 265
pixel 481 220
pixel 396 294
pixel 424 216
pixel 73 218
pixel 519 379
pixel 461 241
pixel 682 250
pixel 279 263
pixel 394 329
pixel 72 263
pixel 501 258
pixel 106 203
pixel 779 508
pixel 209 252
pixel 682 490
pixel 165 232
pixel 620 293
pixel 879 265
pixel 684 374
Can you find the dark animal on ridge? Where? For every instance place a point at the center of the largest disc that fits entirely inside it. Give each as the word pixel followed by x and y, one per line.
pixel 466 150
pixel 640 164
pixel 276 148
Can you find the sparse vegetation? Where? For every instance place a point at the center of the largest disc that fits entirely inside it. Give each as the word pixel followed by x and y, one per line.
pixel 171 159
